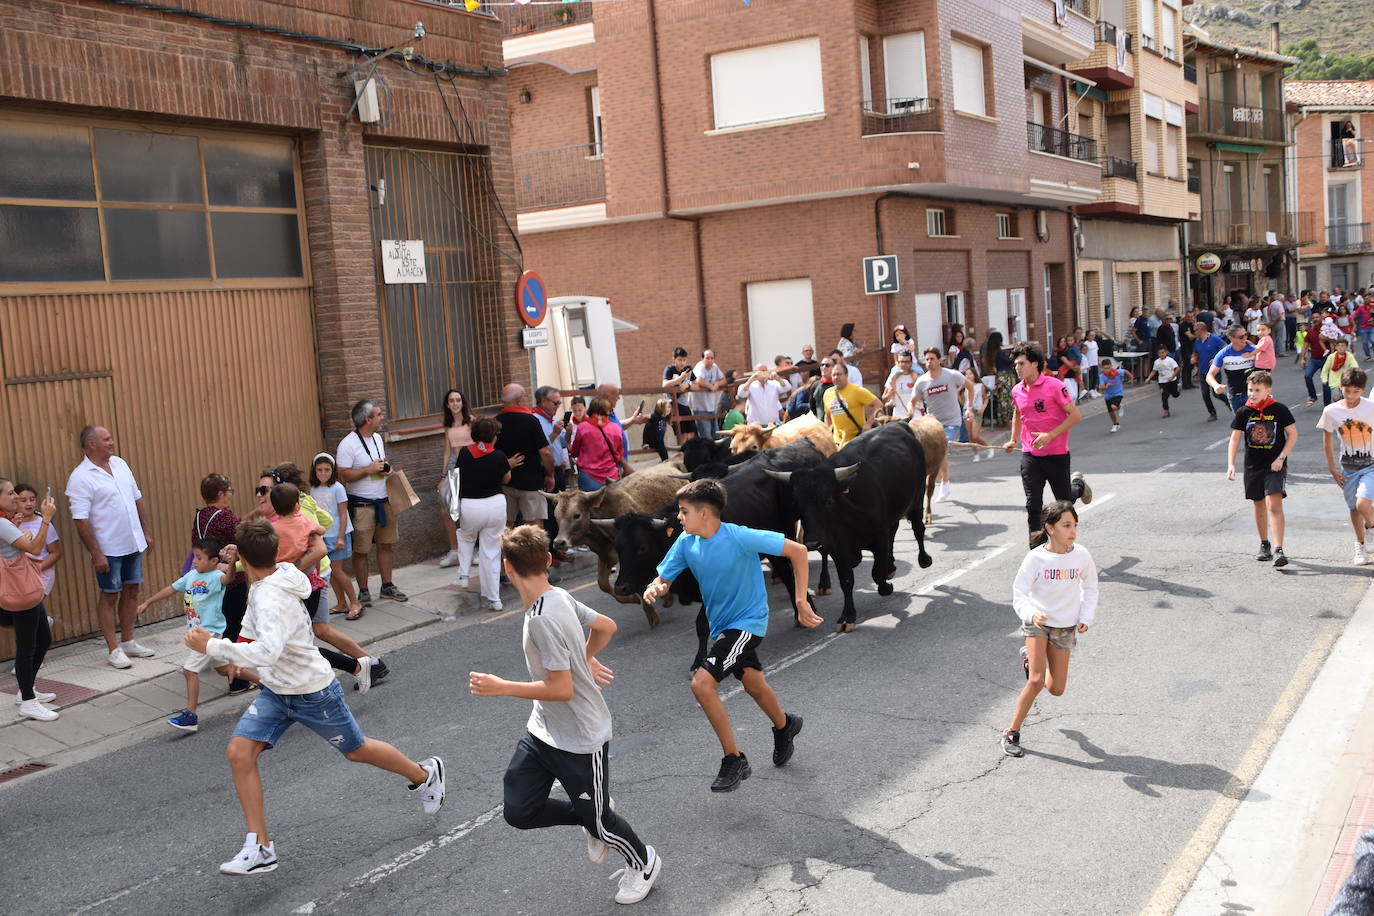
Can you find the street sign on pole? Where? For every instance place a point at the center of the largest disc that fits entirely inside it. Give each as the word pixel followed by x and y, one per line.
pixel 880 275
pixel 531 300
pixel 534 337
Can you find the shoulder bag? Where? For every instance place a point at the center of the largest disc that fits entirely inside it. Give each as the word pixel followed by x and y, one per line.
pixel 21 587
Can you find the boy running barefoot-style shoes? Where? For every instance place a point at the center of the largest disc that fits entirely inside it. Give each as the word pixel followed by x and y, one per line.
pixel 783 747
pixel 252 859
pixel 734 769
pixel 1011 744
pixel 432 789
pixel 635 885
pixel 1280 558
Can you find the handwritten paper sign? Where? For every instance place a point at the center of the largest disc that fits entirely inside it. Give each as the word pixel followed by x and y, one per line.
pixel 403 261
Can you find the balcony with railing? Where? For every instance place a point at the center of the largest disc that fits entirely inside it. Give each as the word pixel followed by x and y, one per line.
pixel 901 116
pixel 520 20
pixel 1190 73
pixel 1346 153
pixel 1109 33
pixel 1253 229
pixel 1041 138
pixel 1238 121
pixel 1194 184
pixel 1116 167
pixel 562 177
pixel 1341 237
pixel 1080 6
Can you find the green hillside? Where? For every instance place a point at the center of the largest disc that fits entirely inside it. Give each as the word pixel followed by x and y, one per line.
pixel 1343 27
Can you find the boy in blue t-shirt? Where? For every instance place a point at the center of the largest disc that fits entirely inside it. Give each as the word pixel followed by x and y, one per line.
pixel 202 590
pixel 1113 388
pixel 725 560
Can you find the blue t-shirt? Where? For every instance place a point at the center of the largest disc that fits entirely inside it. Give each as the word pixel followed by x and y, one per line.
pixel 1207 349
pixel 1236 365
pixel 1116 387
pixel 334 500
pixel 727 568
pixel 203 594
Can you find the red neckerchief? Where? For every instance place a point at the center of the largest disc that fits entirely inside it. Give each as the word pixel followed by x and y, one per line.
pixel 1338 360
pixel 546 415
pixel 597 420
pixel 1110 374
pixel 478 449
pixel 1260 406
pixel 516 408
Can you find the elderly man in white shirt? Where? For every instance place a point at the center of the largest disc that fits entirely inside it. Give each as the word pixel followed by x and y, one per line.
pixel 765 393
pixel 107 507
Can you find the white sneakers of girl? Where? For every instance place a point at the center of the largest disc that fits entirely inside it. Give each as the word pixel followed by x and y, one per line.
pixel 32 709
pixel 38 695
pixel 252 859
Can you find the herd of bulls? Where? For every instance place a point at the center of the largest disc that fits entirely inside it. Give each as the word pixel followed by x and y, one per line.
pixel 781 479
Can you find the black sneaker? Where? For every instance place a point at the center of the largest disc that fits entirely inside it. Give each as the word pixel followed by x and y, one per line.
pixel 379 671
pixel 364 597
pixel 389 590
pixel 1011 744
pixel 1086 491
pixel 1280 558
pixel 238 686
pixel 782 740
pixel 1265 554
pixel 734 769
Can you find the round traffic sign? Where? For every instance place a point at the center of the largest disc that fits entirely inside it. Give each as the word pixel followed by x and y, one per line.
pixel 531 299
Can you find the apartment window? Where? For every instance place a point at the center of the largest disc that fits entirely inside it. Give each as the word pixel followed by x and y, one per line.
pixel 939 222
pixel 1006 226
pixel 954 308
pixel 1152 130
pixel 769 83
pixel 1148 36
pixel 970 83
pixel 904 70
pixel 594 112
pixel 1168 29
pixel 866 70
pixel 170 206
pixel 1173 142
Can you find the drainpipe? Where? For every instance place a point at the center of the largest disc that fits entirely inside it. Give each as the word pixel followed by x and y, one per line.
pixel 655 79
pixel 1187 283
pixel 884 306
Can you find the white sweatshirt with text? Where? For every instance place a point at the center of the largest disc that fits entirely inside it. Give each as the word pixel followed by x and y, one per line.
pixel 282 646
pixel 1063 586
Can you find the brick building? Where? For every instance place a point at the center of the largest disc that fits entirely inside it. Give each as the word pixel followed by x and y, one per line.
pixel 189 249
pixel 719 171
pixel 1331 118
pixel 1132 251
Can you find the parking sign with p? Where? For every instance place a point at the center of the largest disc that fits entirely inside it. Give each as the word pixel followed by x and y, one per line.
pixel 880 274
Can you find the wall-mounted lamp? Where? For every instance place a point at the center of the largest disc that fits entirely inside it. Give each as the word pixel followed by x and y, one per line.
pixel 524 98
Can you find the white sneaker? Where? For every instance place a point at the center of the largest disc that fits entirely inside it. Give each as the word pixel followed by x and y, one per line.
pixel 597 850
pixel 38 695
pixel 635 885
pixel 461 582
pixel 119 660
pixel 1115 427
pixel 432 789
pixel 252 859
pixel 364 674
pixel 494 606
pixel 137 651
pixel 32 709
pixel 448 559
pixel 975 456
pixel 1361 558
pixel 943 493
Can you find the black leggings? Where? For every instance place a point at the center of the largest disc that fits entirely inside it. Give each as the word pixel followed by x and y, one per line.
pixel 1038 470
pixel 32 638
pixel 337 660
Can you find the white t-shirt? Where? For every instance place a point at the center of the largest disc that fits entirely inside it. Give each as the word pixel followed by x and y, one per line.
pixel 764 405
pixel 905 384
pixel 1166 370
pixel 706 401
pixel 353 453
pixel 1089 348
pixel 1354 429
pixel 1063 586
pixel 109 502
pixel 855 376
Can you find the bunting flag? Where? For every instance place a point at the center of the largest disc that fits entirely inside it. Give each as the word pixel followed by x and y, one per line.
pixel 472 6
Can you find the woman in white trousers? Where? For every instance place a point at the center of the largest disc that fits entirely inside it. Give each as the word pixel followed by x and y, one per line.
pixel 482 470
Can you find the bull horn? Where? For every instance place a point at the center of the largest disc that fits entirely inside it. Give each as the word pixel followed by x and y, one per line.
pixel 783 476
pixel 679 476
pixel 551 497
pixel 659 523
pixel 604 522
pixel 724 434
pixel 843 474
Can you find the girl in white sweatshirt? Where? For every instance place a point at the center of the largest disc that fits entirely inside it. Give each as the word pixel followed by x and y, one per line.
pixel 1055 595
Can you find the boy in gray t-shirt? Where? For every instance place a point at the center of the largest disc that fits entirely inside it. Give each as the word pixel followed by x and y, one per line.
pixel 569 729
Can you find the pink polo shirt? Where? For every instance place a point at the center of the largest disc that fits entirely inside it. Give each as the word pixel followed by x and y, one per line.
pixel 1042 407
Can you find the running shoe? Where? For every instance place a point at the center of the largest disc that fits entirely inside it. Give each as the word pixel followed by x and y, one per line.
pixel 364 674
pixel 185 721
pixel 495 606
pixel 783 746
pixel 1212 418
pixel 38 695
pixel 432 789
pixel 1166 414
pixel 380 671
pixel 238 686
pixel 1087 491
pixel 364 597
pixel 1361 558
pixel 119 660
pixel 943 493
pixel 32 709
pixel 253 858
pixel 461 582
pixel 448 559
pixel 597 850
pixel 734 769
pixel 1280 558
pixel 1311 401
pixel 133 649
pixel 1265 554
pixel 1115 427
pixel 635 885
pixel 389 590
pixel 1011 744
pixel 1025 662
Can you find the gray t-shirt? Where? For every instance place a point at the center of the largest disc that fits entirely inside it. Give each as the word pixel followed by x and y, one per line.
pixel 554 641
pixel 941 394
pixel 8 532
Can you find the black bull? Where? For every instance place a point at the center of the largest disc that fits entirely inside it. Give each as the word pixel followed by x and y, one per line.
pixel 855 500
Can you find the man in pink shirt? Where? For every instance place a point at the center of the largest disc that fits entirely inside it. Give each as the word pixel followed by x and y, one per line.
pixel 1040 424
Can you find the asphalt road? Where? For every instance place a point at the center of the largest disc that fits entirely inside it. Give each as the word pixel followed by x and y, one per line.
pixel 898 800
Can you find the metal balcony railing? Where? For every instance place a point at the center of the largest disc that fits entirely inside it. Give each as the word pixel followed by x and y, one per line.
pixel 559 177
pixel 1236 119
pixel 1253 229
pixel 1107 33
pixel 1347 153
pixel 517 20
pixel 1194 184
pixel 1347 237
pixel 1116 167
pixel 1080 6
pixel 1042 138
pixel 900 116
pixel 1190 73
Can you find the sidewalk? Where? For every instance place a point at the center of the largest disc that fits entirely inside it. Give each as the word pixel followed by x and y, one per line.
pixel 98 701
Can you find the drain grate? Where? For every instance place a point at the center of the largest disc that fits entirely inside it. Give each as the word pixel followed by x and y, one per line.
pixel 24 770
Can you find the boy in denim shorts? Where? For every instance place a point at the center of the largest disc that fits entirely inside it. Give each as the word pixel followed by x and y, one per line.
pixel 725 560
pixel 1351 422
pixel 297 686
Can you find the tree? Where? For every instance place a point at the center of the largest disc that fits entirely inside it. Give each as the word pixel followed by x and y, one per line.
pixel 1315 66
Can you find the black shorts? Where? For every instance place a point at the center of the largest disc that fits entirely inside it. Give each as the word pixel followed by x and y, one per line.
pixel 685 421
pixel 1114 401
pixel 1264 482
pixel 733 652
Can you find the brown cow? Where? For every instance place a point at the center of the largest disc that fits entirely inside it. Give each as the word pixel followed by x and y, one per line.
pixel 931 435
pixel 751 437
pixel 644 491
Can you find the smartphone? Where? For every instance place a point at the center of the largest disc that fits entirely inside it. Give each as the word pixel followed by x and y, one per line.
pixel 567 416
pixel 640 408
pixel 49 496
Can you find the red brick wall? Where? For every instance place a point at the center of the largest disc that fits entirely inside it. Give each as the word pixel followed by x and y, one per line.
pixel 558 113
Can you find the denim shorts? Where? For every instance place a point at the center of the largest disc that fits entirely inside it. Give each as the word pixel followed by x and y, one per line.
pixel 324 712
pixel 344 552
pixel 952 432
pixel 125 570
pixel 1360 483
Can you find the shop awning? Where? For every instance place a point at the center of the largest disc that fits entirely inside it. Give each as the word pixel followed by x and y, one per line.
pixel 1239 147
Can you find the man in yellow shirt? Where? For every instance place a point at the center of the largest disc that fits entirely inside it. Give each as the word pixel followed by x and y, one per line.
pixel 845 406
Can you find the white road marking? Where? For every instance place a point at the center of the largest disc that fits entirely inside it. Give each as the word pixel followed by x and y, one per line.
pixel 1217 444
pixel 1164 467
pixel 128 890
pixel 403 860
pixel 1097 501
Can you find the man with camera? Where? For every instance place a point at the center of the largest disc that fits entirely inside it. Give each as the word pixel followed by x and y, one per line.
pixel 363 468
pixel 765 391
